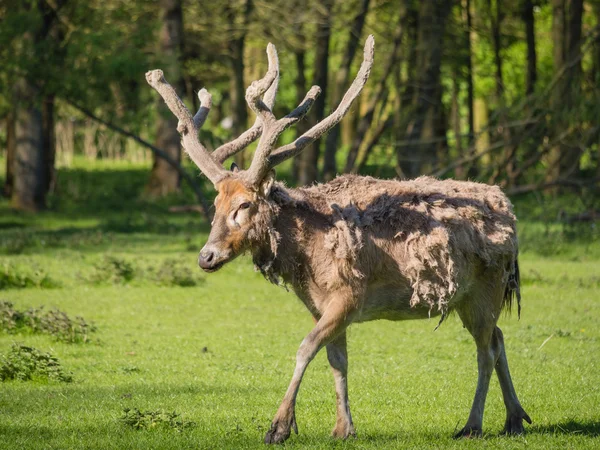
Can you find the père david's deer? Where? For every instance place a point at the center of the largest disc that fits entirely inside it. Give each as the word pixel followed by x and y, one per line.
pixel 358 248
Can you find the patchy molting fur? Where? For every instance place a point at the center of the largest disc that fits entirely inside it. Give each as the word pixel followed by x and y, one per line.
pixel 433 231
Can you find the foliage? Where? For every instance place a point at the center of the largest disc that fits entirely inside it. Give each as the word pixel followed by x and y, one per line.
pixel 113 270
pixel 38 321
pixel 174 272
pixel 17 277
pixel 150 420
pixel 26 363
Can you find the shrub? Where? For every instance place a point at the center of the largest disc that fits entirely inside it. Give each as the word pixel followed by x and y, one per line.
pixel 12 277
pixel 24 363
pixel 148 420
pixel 172 272
pixel 54 322
pixel 113 270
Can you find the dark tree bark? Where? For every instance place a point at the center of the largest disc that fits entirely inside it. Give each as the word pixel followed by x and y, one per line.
pixel 566 36
pixel 29 186
pixel 366 119
pixel 496 19
pixel 33 149
pixel 49 141
pixel 237 88
pixel 339 88
pixel 310 156
pixel 300 86
pixel 163 178
pixel 456 128
pixel 569 161
pixel 422 133
pixel 529 20
pixel 496 22
pixel 469 67
pixel 10 156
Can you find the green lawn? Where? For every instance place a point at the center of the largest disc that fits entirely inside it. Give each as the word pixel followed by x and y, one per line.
pixel 221 353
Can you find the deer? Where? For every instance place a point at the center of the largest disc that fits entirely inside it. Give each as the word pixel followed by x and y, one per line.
pixel 358 248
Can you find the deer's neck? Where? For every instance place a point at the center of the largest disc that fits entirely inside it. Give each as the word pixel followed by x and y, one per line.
pixel 283 251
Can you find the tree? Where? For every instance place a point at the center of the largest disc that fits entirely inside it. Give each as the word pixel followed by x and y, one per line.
pixel 566 37
pixel 425 133
pixel 238 28
pixel 529 21
pixel 309 159
pixel 10 155
pixel 32 160
pixel 339 87
pixel 164 179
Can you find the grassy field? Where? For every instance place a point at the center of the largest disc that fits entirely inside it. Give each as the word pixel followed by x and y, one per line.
pixel 221 352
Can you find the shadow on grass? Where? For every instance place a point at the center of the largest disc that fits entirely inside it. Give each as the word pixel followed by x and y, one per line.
pixel 589 428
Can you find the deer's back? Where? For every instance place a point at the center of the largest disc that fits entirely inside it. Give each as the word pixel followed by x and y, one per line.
pixel 427 238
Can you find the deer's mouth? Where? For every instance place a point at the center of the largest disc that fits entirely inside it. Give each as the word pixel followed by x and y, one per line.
pixel 214 268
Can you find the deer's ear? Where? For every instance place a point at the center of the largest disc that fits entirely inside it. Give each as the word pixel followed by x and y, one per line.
pixel 234 167
pixel 267 183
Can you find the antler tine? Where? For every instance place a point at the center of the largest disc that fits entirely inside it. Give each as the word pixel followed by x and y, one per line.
pixel 258 88
pixel 205 105
pixel 290 150
pixel 187 126
pixel 272 130
pixel 253 133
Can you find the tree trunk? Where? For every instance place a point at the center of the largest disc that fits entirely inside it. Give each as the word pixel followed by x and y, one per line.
pixel 29 186
pixel 507 161
pixel 339 88
pixel 300 86
pixel 49 141
pixel 469 64
pixel 424 140
pixel 456 128
pixel 237 89
pixel 566 36
pixel 366 119
pixel 496 21
pixel 163 178
pixel 310 156
pixel 10 155
pixel 570 155
pixel 531 54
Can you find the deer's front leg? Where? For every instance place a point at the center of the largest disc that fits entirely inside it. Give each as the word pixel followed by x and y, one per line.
pixel 334 321
pixel 337 355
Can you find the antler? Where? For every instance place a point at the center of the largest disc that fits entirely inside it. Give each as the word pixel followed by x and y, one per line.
pixel 189 126
pixel 265 158
pixel 266 126
pixel 292 149
pixel 253 133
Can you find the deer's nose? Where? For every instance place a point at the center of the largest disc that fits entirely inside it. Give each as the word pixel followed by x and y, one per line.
pixel 206 259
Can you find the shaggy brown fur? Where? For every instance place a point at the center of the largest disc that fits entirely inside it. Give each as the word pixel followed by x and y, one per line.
pixel 430 229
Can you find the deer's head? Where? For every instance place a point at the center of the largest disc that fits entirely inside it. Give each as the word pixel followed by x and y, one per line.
pixel 242 194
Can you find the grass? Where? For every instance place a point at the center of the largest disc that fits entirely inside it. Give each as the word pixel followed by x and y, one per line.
pixel 218 353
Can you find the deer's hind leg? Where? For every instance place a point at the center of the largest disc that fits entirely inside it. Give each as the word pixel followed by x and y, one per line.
pixel 479 314
pixel 515 414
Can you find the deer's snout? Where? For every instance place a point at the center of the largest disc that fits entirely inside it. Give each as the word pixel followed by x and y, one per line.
pixel 210 259
pixel 205 258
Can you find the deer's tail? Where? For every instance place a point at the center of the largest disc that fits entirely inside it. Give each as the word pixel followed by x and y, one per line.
pixel 513 288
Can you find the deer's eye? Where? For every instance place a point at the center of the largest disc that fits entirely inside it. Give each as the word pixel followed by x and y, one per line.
pixel 244 205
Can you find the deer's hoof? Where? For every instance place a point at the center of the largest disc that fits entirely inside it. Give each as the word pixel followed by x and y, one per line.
pixel 468 433
pixel 343 431
pixel 280 431
pixel 514 423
